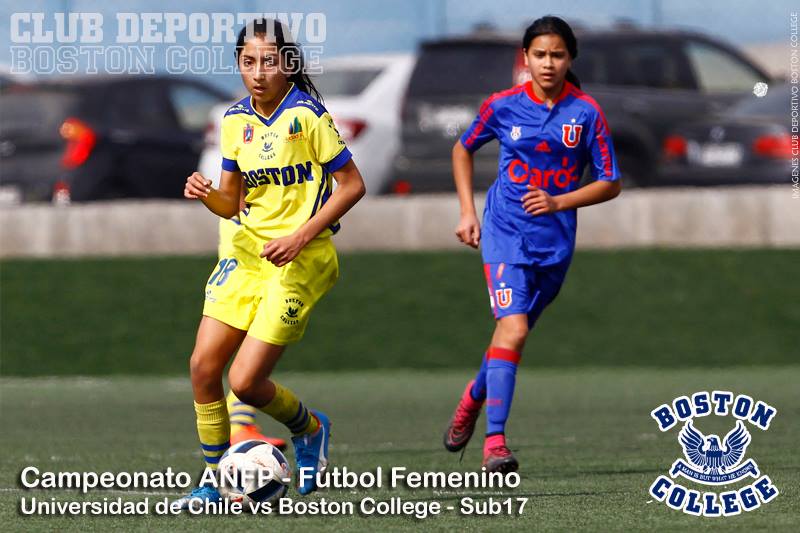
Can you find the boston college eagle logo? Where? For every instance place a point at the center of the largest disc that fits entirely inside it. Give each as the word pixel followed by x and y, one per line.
pixel 711 460
pixel 571 134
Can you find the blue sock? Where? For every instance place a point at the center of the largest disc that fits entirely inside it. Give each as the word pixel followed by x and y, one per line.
pixel 478 390
pixel 501 377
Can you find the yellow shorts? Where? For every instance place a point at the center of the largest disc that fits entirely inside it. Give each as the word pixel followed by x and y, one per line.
pixel 272 304
pixel 227 229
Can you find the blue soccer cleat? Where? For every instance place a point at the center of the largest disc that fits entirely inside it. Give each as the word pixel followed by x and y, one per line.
pixel 311 453
pixel 198 496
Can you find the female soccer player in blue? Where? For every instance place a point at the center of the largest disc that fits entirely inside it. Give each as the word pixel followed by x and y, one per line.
pixel 281 145
pixel 548 130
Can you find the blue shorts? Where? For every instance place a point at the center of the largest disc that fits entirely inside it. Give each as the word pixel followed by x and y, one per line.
pixel 522 289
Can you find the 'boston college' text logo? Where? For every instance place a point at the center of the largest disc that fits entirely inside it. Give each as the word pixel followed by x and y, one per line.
pixel 711 460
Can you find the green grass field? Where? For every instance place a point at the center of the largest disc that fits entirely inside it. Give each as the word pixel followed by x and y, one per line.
pixel 386 355
pixel 662 308
pixel 587 445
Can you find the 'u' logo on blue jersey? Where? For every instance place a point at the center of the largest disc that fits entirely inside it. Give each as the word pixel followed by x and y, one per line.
pixel 571 134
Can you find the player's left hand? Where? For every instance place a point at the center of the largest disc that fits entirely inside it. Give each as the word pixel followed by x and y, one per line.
pixel 282 250
pixel 538 202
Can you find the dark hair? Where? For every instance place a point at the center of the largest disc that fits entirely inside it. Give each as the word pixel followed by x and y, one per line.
pixel 554 25
pixel 290 52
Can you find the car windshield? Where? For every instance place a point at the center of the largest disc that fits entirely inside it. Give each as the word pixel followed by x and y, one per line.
pixel 775 103
pixel 345 82
pixel 463 69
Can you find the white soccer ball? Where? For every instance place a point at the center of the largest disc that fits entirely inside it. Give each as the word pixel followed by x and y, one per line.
pixel 253 471
pixel 760 89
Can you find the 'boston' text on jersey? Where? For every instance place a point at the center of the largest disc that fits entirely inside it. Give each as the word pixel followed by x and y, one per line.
pixel 288 175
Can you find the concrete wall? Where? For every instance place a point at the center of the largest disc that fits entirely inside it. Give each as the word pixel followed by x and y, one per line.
pixel 714 217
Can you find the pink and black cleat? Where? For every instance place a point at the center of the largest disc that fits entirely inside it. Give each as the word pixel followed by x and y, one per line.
pixel 462 425
pixel 500 459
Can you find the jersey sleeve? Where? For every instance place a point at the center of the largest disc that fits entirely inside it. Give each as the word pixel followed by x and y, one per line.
pixel 602 159
pixel 328 145
pixel 229 144
pixel 482 130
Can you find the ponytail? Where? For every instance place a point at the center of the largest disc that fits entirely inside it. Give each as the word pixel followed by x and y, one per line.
pixel 573 79
pixel 292 58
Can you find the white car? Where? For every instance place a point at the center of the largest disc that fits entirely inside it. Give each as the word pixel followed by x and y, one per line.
pixel 363 93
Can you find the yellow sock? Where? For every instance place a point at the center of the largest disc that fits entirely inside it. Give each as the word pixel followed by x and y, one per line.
pixel 214 430
pixel 287 409
pixel 241 414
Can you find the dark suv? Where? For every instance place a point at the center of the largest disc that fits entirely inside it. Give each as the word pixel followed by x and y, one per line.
pixel 95 138
pixel 645 81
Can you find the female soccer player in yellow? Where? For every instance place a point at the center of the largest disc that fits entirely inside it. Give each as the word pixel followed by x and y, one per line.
pixel 282 144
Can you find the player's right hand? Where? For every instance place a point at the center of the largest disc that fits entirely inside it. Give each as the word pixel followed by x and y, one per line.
pixel 196 187
pixel 468 230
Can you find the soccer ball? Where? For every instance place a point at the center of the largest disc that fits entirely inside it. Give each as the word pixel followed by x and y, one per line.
pixel 253 471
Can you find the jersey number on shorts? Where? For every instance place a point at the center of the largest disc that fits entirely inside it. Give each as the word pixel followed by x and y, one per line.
pixel 226 266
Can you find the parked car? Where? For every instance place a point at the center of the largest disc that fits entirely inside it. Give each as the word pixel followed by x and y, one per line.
pixel 363 94
pixel 646 82
pixel 102 137
pixel 450 80
pixel 9 77
pixel 748 143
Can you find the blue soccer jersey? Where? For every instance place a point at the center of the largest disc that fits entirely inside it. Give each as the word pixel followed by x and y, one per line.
pixel 545 147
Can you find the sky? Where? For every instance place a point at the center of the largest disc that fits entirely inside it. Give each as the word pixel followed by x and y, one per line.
pixel 364 26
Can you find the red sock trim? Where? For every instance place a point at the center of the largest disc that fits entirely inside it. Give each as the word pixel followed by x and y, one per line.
pixel 503 354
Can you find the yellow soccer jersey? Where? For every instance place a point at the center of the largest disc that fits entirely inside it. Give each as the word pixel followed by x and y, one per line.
pixel 286 161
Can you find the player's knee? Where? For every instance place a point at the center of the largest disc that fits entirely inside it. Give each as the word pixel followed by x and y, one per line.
pixel 244 386
pixel 514 331
pixel 204 370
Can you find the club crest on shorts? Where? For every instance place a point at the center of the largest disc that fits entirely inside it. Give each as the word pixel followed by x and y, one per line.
pixel 503 298
pixel 712 461
pixel 571 134
pixel 291 316
pixel 516 132
pixel 247 134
